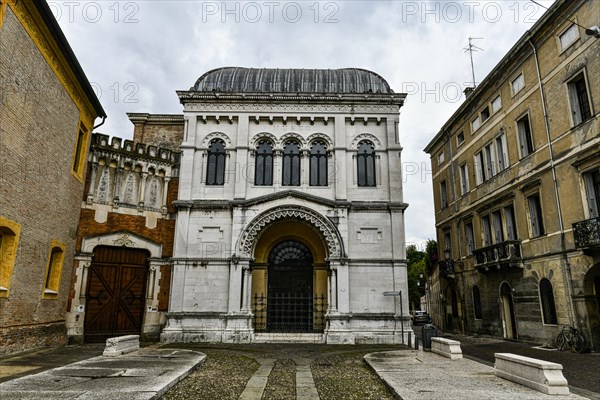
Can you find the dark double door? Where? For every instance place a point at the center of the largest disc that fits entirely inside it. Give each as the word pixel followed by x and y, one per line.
pixel 115 298
pixel 290 289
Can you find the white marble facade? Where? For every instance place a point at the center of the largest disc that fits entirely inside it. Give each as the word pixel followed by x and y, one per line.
pixel 219 226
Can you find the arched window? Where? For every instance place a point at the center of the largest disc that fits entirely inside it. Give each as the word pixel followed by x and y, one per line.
pixel 263 173
pixel 9 240
pixel 547 299
pixel 477 303
pixel 54 269
pixel 215 170
pixel 318 164
pixel 366 163
pixel 291 164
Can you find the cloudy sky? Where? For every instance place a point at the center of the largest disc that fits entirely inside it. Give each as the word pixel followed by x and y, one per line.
pixel 137 53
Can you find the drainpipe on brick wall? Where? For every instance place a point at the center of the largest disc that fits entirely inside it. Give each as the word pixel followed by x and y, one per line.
pixel 567 266
pixel 100 124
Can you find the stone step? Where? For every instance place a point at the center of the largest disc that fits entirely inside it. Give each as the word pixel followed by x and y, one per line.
pixel 288 338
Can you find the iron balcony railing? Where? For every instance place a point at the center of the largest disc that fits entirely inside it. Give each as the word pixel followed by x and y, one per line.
pixel 507 252
pixel 587 233
pixel 447 268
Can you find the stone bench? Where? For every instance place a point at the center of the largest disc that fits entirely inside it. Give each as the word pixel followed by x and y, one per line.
pixel 121 345
pixel 540 375
pixel 446 347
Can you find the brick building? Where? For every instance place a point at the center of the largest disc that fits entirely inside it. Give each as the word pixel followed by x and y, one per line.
pixel 126 231
pixel 517 189
pixel 47 111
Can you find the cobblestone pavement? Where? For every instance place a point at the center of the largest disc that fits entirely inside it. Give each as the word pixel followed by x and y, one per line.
pixel 582 371
pixel 281 372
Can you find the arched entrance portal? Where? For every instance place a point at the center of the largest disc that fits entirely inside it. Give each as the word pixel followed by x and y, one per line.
pixel 289 278
pixel 591 285
pixel 290 288
pixel 508 311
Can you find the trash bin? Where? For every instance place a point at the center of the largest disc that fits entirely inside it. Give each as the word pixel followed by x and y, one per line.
pixel 427 332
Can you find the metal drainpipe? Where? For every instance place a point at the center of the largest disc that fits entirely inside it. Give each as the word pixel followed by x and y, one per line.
pixel 567 267
pixel 100 124
pixel 462 298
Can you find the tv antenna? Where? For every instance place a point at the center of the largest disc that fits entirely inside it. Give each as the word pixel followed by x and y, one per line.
pixel 472 48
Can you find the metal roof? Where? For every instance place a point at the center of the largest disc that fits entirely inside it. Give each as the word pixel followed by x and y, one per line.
pixel 294 80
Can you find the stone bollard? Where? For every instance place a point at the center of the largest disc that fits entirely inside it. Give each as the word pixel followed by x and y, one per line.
pixel 121 345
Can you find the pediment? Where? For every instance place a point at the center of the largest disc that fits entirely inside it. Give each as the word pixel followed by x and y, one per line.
pixel 287 194
pixel 121 239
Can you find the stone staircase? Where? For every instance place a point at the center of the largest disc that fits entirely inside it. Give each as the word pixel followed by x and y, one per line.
pixel 288 338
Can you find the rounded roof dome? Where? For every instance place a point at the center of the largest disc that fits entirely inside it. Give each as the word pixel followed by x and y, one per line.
pixel 275 80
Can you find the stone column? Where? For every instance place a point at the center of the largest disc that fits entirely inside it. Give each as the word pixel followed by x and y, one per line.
pixel 304 168
pixel 341 179
pixel 76 315
pixel 85 261
pixel 151 297
pixel 343 286
pixel 142 189
pixel 333 280
pixel 197 172
pixel 90 194
pixel 117 191
pixel 236 266
pixel 238 328
pixel 164 206
pixel 247 290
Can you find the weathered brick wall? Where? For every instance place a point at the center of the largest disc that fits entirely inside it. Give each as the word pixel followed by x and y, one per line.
pixel 158 133
pixel 23 338
pixel 163 233
pixel 38 129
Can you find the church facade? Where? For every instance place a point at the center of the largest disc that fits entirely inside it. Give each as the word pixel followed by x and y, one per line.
pixel 289 213
pixel 290 208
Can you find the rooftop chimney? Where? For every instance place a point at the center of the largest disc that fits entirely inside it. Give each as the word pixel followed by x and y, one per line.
pixel 468 90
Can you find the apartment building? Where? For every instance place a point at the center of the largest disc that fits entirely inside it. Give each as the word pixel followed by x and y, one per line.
pixel 47 113
pixel 516 180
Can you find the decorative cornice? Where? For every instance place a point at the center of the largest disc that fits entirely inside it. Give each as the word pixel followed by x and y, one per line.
pixel 271 108
pixel 376 261
pixel 170 119
pixel 246 203
pixel 187 96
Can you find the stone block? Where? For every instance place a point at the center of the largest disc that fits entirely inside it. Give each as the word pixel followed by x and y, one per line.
pixel 446 347
pixel 540 375
pixel 121 345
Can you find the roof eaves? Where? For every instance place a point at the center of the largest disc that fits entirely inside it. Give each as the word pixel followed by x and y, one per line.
pixel 46 13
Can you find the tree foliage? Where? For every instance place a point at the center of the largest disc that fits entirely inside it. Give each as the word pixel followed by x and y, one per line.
pixel 420 265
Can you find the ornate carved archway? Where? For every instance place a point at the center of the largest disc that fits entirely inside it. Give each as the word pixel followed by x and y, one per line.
pixel 252 232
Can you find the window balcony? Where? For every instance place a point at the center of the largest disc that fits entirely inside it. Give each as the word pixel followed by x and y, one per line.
pixel 507 254
pixel 447 269
pixel 587 233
